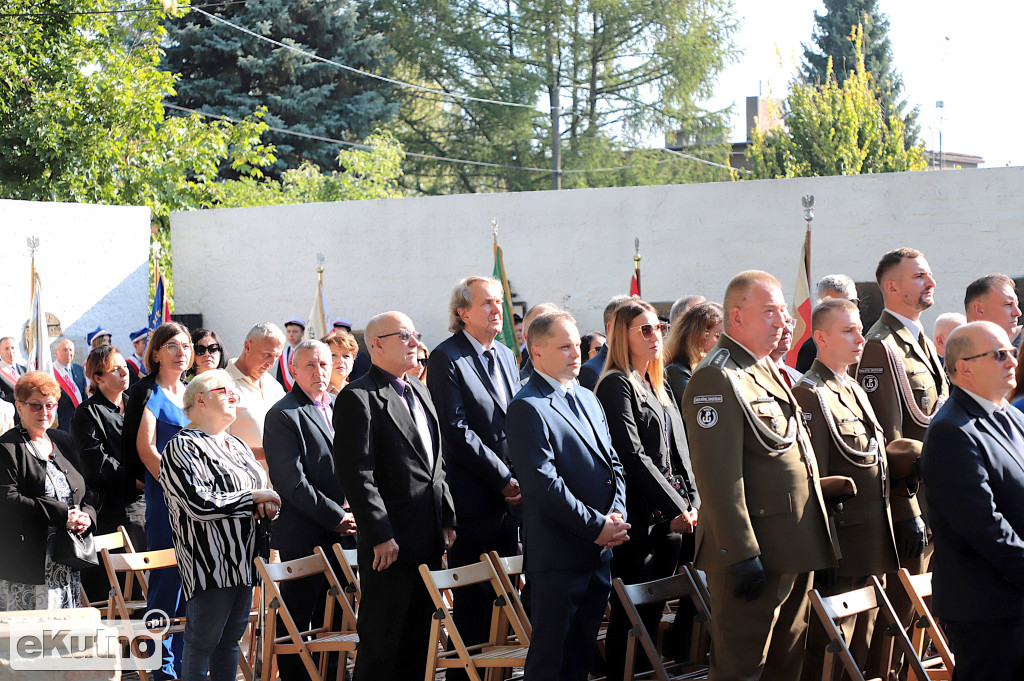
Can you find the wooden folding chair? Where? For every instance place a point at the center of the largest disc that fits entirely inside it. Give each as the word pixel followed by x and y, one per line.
pixel 133 565
pixel 348 559
pixel 509 570
pixel 489 656
pixel 112 542
pixel 925 629
pixel 659 591
pixel 324 639
pixel 833 609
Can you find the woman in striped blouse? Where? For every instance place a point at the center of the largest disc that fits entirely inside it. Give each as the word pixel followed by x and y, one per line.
pixel 214 489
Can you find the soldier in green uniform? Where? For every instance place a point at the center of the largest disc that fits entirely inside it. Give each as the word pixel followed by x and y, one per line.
pixel 901 373
pixel 847 441
pixel 763 529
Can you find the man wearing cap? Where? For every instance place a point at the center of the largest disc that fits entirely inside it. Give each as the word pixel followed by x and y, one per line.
pixel 97 337
pixel 71 378
pixel 294 330
pixel 137 367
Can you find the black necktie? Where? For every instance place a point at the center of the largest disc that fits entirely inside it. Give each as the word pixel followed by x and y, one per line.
pixel 499 384
pixel 1004 421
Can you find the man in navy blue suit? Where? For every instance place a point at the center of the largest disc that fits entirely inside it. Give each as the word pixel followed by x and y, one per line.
pixel 973 469
pixel 472 378
pixel 573 501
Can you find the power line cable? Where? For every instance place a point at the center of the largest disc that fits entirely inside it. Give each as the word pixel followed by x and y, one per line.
pixel 421 88
pixel 134 10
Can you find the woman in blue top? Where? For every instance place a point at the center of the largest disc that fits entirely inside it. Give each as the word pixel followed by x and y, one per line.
pixel 156 416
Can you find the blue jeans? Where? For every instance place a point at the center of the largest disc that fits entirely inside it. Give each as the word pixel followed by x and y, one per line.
pixel 216 620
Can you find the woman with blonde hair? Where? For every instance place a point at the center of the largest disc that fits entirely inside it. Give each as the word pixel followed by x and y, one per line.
pixel 647 434
pixel 689 341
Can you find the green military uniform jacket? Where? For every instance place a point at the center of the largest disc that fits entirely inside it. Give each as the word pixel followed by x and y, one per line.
pixel 905 383
pixel 848 441
pixel 754 468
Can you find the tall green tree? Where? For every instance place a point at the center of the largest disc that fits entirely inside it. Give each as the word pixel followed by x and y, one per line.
pixel 621 71
pixel 833 129
pixel 831 41
pixel 229 72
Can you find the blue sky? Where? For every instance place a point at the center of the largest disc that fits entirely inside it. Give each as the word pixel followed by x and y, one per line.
pixel 965 55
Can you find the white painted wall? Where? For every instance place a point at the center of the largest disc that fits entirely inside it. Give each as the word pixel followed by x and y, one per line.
pixel 93 263
pixel 240 266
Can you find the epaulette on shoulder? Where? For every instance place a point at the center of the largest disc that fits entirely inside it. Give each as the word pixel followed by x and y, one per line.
pixel 806 383
pixel 719 359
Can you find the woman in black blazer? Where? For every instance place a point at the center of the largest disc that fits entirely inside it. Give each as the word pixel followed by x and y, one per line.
pixel 41 493
pixel 647 433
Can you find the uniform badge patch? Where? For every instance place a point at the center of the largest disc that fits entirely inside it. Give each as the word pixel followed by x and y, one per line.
pixel 707 399
pixel 870 370
pixel 869 383
pixel 707 417
pixel 807 416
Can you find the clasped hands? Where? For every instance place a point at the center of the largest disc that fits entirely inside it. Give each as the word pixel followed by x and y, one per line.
pixel 268 503
pixel 78 520
pixel 614 531
pixel 685 522
pixel 513 495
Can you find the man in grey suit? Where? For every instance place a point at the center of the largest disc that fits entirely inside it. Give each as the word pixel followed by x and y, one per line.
pixel 573 501
pixel 390 460
pixel 297 438
pixel 973 468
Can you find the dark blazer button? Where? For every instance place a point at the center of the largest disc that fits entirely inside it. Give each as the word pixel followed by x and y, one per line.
pixel 607 483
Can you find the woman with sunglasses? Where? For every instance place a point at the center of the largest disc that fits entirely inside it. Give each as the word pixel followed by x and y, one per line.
pixel 689 341
pixel 41 493
pixel 647 433
pixel 153 417
pixel 209 352
pixel 422 357
pixel 215 489
pixel 96 427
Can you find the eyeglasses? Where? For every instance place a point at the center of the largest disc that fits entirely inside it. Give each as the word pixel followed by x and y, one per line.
pixel 648 330
pixel 175 347
pixel 404 335
pixel 998 355
pixel 37 407
pixel 227 392
pixel 203 349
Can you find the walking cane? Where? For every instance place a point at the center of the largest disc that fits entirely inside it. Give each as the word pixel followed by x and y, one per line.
pixel 263 532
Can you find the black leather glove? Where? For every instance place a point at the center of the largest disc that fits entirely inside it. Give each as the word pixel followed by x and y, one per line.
pixel 911 538
pixel 826 578
pixel 749 579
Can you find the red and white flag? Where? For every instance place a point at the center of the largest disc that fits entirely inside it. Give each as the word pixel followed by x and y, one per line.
pixel 802 302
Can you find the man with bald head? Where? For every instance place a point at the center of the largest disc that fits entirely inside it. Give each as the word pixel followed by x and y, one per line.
pixel 944 325
pixel 763 529
pixel 973 468
pixel 389 456
pixel 71 378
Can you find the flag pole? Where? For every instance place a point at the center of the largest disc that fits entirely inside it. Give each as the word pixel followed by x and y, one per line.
pixel 802 303
pixel 636 266
pixel 507 336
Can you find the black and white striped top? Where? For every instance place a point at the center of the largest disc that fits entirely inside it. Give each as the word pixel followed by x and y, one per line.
pixel 208 486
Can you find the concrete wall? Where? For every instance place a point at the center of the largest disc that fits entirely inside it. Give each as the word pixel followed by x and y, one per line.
pixel 239 266
pixel 93 263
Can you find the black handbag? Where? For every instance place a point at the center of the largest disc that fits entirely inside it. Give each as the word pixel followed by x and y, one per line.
pixel 77 551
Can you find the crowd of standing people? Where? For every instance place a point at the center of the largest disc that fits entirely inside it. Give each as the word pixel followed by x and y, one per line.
pixel 664 441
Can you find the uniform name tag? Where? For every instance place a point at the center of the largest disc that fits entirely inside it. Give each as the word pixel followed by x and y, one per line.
pixel 707 399
pixel 765 398
pixel 870 370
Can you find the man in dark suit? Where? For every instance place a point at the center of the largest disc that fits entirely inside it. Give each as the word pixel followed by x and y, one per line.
pixel 9 371
pixel 390 461
pixel 472 378
pixel 297 438
pixel 973 467
pixel 573 501
pixel 71 379
pixel 591 369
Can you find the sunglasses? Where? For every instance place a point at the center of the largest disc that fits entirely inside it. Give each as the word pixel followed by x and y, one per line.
pixel 37 407
pixel 404 335
pixel 648 330
pixel 422 361
pixel 999 355
pixel 203 349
